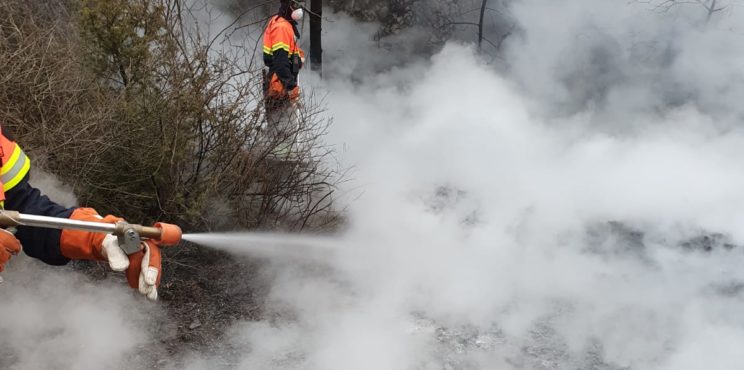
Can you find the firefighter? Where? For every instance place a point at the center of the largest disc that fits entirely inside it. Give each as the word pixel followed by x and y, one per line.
pixel 283 59
pixel 58 247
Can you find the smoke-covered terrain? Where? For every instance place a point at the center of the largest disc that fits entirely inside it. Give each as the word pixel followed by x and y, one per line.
pixel 572 201
pixel 563 213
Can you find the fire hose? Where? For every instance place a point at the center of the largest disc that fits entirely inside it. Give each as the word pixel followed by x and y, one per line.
pixel 130 235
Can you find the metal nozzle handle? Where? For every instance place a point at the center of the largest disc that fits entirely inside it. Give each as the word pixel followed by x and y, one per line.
pixel 13 219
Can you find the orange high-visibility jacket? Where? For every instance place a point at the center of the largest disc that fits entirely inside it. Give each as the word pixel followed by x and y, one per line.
pixel 15 164
pixel 16 194
pixel 282 56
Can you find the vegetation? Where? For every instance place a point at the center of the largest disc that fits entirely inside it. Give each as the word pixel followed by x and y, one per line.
pixel 145 117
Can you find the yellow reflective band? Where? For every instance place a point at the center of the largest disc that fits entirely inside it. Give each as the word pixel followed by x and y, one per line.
pixel 14 172
pixel 12 183
pixel 267 50
pixel 280 45
pixel 12 160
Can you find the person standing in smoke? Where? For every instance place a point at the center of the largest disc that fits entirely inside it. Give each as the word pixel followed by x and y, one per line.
pixel 283 59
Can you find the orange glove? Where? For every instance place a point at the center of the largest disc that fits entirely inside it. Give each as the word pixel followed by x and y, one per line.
pixel 143 267
pixel 294 94
pixel 9 246
pixel 83 245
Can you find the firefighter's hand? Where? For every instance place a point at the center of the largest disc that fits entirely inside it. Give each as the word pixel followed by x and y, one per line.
pixel 113 253
pixel 142 268
pixel 293 93
pixel 288 93
pixel 9 247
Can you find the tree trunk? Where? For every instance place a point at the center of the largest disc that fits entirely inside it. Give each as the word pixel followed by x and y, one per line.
pixel 710 11
pixel 480 23
pixel 316 50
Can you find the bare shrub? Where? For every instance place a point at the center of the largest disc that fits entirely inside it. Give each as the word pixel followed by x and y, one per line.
pixel 46 99
pixel 145 116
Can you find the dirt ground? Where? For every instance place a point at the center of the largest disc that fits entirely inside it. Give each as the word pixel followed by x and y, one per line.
pixel 203 293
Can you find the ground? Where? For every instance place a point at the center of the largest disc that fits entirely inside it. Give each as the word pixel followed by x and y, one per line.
pixel 203 293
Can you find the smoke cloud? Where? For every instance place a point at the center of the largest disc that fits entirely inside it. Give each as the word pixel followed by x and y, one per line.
pixel 578 210
pixel 50 186
pixel 576 205
pixel 57 319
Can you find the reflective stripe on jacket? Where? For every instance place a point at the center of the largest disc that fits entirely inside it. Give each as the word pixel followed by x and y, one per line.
pixel 282 55
pixel 16 194
pixel 15 164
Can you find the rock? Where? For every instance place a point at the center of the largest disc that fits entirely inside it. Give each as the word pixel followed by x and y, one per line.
pixel 195 324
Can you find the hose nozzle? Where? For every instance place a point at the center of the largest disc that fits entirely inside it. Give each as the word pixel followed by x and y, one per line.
pixel 169 234
pixel 130 235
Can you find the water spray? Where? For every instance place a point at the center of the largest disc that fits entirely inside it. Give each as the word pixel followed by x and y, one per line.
pixel 292 246
pixel 130 235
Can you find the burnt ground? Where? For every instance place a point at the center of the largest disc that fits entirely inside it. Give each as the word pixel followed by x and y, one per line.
pixel 203 293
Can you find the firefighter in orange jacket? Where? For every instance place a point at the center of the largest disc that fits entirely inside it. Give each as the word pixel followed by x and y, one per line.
pixel 58 247
pixel 282 55
pixel 283 59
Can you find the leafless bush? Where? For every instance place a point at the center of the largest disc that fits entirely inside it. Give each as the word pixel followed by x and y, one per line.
pixel 486 22
pixel 46 100
pixel 710 7
pixel 294 190
pixel 149 116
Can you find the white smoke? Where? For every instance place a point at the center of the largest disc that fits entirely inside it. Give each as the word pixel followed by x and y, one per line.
pixel 50 186
pixel 537 219
pixel 541 218
pixel 626 63
pixel 54 318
